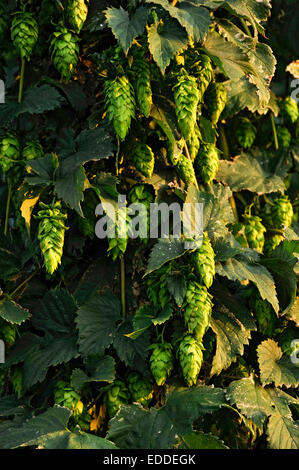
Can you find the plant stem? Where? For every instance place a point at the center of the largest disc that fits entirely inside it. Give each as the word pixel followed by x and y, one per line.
pixel 174 2
pixel 223 142
pixel 8 205
pixel 13 293
pixel 274 132
pixel 247 30
pixel 21 85
pixel 123 285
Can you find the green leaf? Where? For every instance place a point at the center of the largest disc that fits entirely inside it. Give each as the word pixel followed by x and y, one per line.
pixel 163 251
pixel 261 177
pixel 176 284
pixel 42 170
pixel 12 312
pixel 242 270
pixel 9 406
pixel 133 352
pixel 240 94
pixel 104 372
pixel 200 440
pixel 165 40
pixel 71 440
pixel 232 334
pixel 274 368
pixel 254 11
pixel 124 28
pixel 70 186
pixel 96 322
pixel 293 313
pixel 283 432
pixel 217 211
pixel 163 316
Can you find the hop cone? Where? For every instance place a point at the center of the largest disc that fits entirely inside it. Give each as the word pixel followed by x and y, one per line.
pixel 197 309
pixel 77 13
pixel 157 289
pixel 9 150
pixel 194 142
pixel 289 109
pixel 65 395
pixel 207 162
pixel 7 332
pixel 272 243
pixel 118 243
pixel 161 362
pixel 264 314
pixel 116 395
pixel 120 104
pixel 216 100
pixel 185 170
pixel 17 381
pixel 83 420
pixel 51 232
pixel 139 194
pixel 200 66
pixel 246 133
pixel 254 232
pixel 140 388
pixel 143 159
pixel 190 357
pixel 238 231
pixel 32 150
pixel 284 137
pixel 186 97
pixel 142 82
pixel 24 33
pixel 64 51
pixel 281 212
pixel 203 261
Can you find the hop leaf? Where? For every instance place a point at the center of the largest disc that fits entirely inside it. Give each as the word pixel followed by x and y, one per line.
pixel 203 261
pixel 116 395
pixel 64 51
pixel 254 232
pixel 24 33
pixel 9 150
pixel 161 362
pixel 142 82
pixel 197 309
pixel 272 243
pixel 120 104
pixel 289 109
pixel 143 159
pixel 190 357
pixel 284 137
pixel 216 100
pixel 140 388
pixel 264 315
pixel 186 97
pixel 207 162
pixel 77 13
pixel 33 149
pixel 246 133
pixel 51 232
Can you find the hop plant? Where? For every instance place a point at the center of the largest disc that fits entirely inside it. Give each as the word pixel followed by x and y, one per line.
pixel 142 81
pixel 238 231
pixel 143 159
pixel 186 98
pixel 246 133
pixel 203 261
pixel 51 232
pixel 194 142
pixel 197 309
pixel 289 109
pixel 77 11
pixel 116 395
pixel 140 388
pixel 271 243
pixel 65 395
pixel 120 104
pixel 118 242
pixel 200 66
pixel 33 149
pixel 284 137
pixel 24 33
pixel 254 232
pixel 17 381
pixel 190 357
pixel 281 213
pixel 9 150
pixel 139 194
pixel 264 315
pixel 64 51
pixel 185 170
pixel 83 420
pixel 161 362
pixel 8 332
pixel 207 162
pixel 215 100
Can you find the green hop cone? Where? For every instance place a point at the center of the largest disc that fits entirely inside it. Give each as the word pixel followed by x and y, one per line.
pixel 284 137
pixel 207 162
pixel 17 381
pixel 119 240
pixel 140 388
pixel 194 142
pixel 254 232
pixel 24 33
pixel 197 309
pixel 51 232
pixel 83 420
pixel 143 159
pixel 33 149
pixel 157 288
pixel 161 362
pixel 64 51
pixel 264 315
pixel 203 261
pixel 9 151
pixel 185 170
pixel 271 243
pixel 200 66
pixel 142 81
pixel 216 100
pixel 65 395
pixel 77 11
pixel 116 395
pixel 289 109
pixel 8 332
pixel 186 98
pixel 281 212
pixel 139 194
pixel 190 357
pixel 246 133
pixel 120 104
